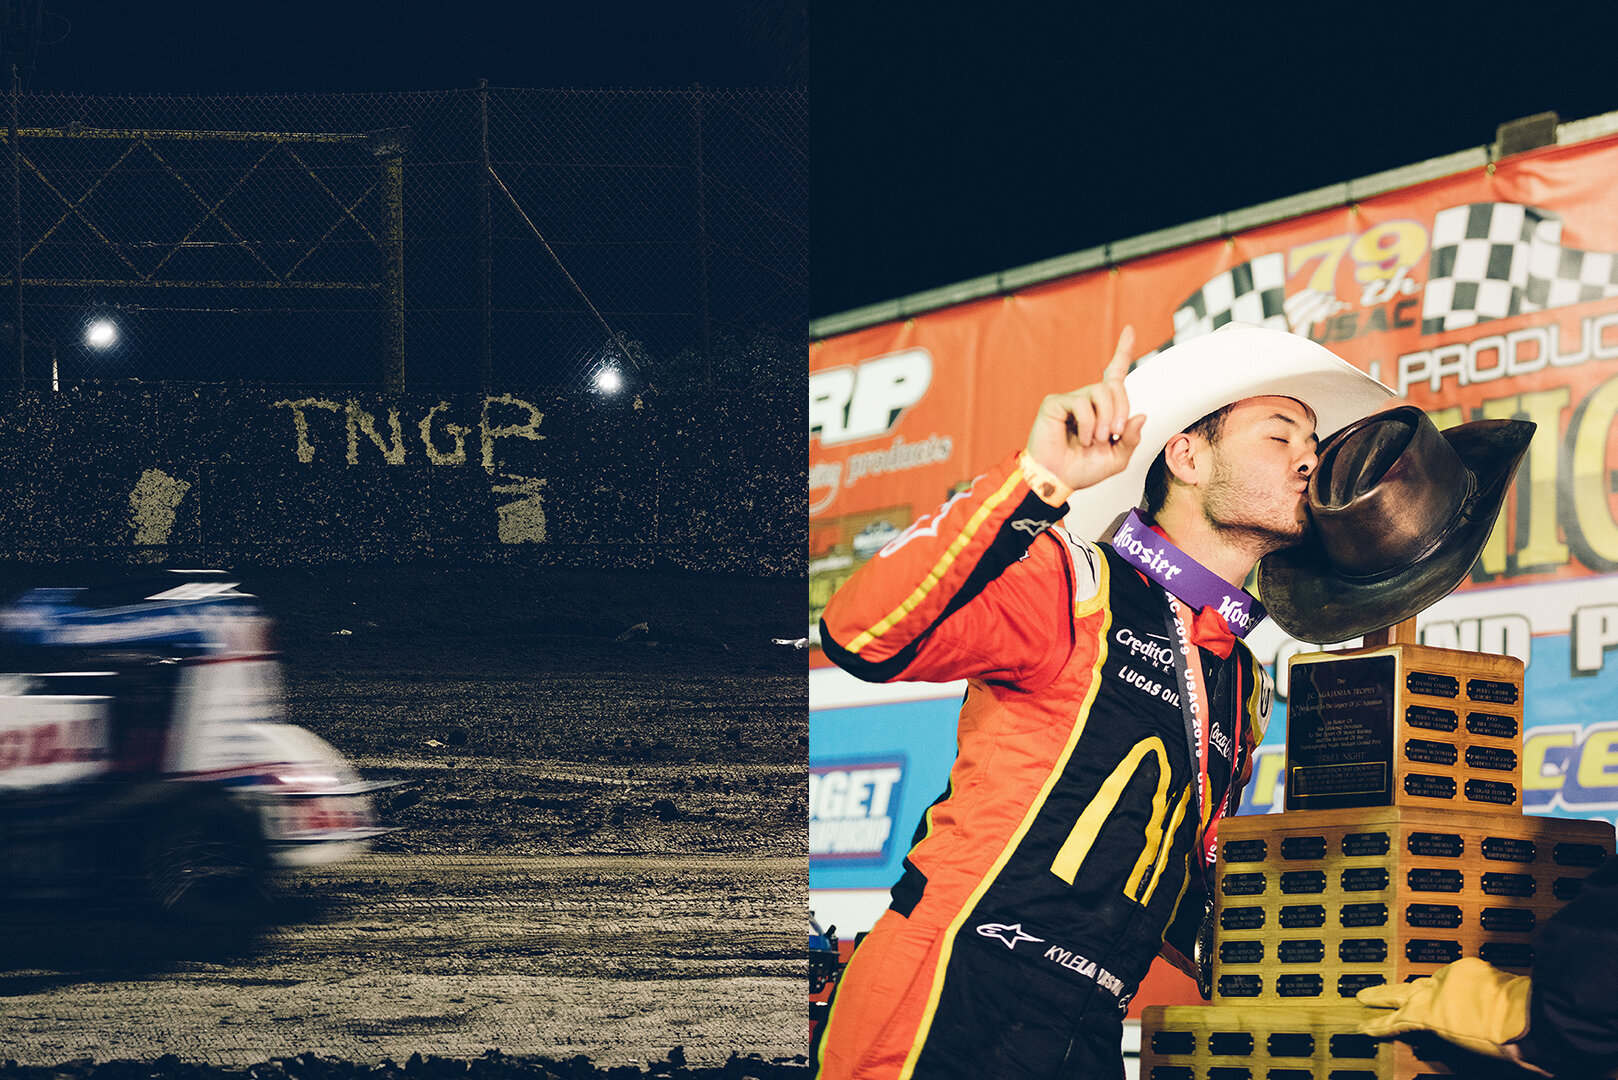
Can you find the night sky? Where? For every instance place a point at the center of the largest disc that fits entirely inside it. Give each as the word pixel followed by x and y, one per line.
pixel 267 46
pixel 955 138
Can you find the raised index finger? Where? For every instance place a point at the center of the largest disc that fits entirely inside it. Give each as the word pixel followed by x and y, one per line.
pixel 1118 366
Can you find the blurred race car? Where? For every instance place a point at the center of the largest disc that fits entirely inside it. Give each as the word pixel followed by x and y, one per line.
pixel 143 753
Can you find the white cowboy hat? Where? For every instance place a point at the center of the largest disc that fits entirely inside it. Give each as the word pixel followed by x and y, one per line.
pixel 1186 382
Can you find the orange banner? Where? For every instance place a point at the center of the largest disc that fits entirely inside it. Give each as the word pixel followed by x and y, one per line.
pixel 1491 293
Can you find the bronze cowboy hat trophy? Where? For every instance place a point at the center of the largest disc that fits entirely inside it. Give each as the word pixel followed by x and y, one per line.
pixel 1400 512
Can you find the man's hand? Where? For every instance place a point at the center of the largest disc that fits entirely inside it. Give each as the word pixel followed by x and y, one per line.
pixel 1088 435
pixel 1469 1003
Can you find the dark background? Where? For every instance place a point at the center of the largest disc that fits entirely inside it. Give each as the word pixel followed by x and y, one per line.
pixel 957 138
pixel 950 138
pixel 641 188
pixel 269 46
pixel 679 217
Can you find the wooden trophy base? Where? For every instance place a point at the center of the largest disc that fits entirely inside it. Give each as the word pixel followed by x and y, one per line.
pixel 1312 906
pixel 1403 848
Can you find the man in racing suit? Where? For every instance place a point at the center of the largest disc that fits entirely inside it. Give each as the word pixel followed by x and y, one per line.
pixel 1097 746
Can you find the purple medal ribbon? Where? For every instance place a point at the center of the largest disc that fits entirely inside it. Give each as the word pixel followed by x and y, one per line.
pixel 1183 576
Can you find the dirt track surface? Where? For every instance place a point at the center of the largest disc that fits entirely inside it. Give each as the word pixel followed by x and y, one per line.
pixel 601 802
pixel 617 958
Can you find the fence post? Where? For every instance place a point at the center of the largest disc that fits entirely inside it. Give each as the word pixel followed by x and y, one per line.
pixel 16 233
pixel 388 146
pixel 702 232
pixel 485 249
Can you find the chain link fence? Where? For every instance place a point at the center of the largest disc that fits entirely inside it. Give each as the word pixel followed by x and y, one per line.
pixel 456 240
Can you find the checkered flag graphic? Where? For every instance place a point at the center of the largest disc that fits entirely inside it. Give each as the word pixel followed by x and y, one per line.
pixel 1253 292
pixel 1495 260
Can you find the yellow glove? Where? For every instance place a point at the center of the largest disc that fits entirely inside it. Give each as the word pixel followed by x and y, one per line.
pixel 1469 1003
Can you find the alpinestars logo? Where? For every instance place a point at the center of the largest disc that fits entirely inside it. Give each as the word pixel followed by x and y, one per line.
pixel 1006 934
pixel 1030 526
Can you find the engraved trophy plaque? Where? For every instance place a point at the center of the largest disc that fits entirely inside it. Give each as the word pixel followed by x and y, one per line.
pixel 1340 720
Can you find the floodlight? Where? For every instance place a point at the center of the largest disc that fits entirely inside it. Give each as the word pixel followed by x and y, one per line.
pixel 101 334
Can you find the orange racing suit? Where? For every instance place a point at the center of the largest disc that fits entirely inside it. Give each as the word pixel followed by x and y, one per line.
pixel 1043 881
